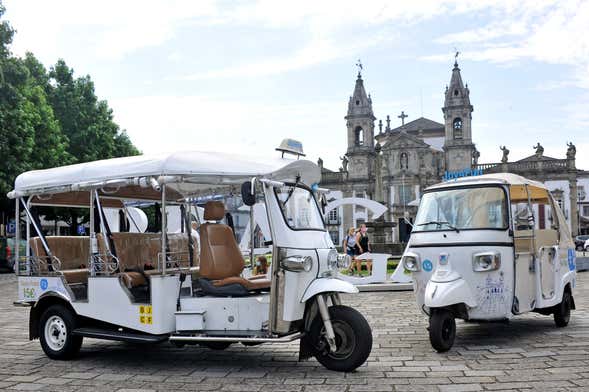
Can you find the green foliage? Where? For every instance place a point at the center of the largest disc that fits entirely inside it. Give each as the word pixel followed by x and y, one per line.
pixel 49 119
pixel 85 120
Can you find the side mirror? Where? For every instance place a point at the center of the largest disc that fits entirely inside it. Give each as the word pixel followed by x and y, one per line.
pixel 248 195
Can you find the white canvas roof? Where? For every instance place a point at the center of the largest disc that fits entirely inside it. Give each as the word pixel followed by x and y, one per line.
pixel 498 178
pixel 194 166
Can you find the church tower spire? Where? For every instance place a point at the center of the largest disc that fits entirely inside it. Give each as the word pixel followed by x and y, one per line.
pixel 360 119
pixel 457 111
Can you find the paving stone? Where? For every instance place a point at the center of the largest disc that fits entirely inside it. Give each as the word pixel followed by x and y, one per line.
pixel 526 354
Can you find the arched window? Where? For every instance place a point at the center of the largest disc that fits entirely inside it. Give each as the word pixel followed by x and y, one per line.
pixel 404 161
pixel 457 126
pixel 359 136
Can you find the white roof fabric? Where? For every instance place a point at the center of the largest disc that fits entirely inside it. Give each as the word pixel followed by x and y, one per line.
pixel 205 167
pixel 498 178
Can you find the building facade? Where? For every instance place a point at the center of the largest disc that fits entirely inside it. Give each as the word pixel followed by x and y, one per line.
pixel 394 165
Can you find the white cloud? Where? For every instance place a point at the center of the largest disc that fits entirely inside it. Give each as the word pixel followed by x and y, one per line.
pixel 110 28
pixel 544 32
pixel 113 29
pixel 199 123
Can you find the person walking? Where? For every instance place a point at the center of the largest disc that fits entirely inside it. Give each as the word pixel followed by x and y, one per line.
pixel 364 246
pixel 351 248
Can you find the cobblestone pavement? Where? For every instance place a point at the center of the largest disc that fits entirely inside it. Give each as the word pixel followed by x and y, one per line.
pixel 528 353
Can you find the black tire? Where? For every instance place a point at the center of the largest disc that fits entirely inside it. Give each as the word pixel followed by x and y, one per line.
pixel 442 330
pixel 55 333
pixel 580 248
pixel 353 339
pixel 562 311
pixel 216 345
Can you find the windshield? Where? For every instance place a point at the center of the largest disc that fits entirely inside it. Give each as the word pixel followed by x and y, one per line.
pixel 299 208
pixel 466 208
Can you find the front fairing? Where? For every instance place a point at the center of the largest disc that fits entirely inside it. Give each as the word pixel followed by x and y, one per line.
pixel 488 295
pixel 290 287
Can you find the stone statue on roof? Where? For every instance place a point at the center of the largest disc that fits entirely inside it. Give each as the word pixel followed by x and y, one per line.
pixel 475 156
pixel 344 163
pixel 504 158
pixel 571 150
pixel 539 150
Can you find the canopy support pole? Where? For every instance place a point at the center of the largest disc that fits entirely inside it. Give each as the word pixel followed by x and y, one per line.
pixel 32 220
pixel 17 238
pixel 92 237
pixel 164 229
pixel 252 226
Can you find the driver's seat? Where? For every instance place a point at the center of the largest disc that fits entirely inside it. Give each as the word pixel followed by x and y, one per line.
pixel 221 262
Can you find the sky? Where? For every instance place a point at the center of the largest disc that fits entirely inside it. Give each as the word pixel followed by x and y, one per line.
pixel 241 76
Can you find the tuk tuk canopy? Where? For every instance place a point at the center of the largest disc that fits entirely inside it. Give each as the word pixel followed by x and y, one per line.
pixel 185 173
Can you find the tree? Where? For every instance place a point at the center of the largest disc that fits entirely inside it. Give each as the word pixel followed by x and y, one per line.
pixel 50 119
pixel 85 120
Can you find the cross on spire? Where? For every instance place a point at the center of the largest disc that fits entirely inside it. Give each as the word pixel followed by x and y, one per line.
pixel 402 116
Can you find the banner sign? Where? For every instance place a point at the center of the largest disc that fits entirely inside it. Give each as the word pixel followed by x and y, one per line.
pixel 462 173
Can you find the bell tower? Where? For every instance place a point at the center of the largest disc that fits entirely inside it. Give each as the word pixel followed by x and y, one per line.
pixel 360 125
pixel 458 146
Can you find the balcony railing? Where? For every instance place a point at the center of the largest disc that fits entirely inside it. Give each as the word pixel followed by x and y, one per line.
pixel 524 166
pixel 332 177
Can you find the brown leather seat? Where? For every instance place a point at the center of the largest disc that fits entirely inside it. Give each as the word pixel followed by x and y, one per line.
pixel 72 251
pixel 220 258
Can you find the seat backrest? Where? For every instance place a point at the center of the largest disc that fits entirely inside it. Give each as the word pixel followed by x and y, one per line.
pixel 220 256
pixel 72 251
pixel 178 248
pixel 134 250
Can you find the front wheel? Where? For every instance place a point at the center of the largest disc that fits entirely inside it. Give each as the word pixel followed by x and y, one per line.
pixel 442 330
pixel 562 311
pixel 353 338
pixel 55 333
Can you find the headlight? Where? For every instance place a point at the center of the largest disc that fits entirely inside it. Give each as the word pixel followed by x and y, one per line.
pixel 486 261
pixel 297 263
pixel 332 257
pixel 411 262
pixel 344 261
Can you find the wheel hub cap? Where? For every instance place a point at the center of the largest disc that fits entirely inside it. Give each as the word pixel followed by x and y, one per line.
pixel 55 333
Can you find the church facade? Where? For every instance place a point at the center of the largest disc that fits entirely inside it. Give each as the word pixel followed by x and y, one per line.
pixel 394 165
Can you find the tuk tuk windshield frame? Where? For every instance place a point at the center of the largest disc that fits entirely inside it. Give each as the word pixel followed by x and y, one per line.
pixel 462 208
pixel 291 193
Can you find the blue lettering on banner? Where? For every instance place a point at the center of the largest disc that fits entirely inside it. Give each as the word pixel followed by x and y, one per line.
pixel 462 173
pixel 43 284
pixel 571 257
pixel 427 265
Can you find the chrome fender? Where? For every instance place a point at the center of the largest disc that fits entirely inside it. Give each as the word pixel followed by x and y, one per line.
pixel 325 285
pixel 441 294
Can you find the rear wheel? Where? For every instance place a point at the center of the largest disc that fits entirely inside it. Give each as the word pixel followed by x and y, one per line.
pixel 55 333
pixel 353 338
pixel 442 330
pixel 562 311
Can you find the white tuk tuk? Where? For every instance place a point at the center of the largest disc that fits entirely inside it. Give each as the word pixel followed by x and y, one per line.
pixel 188 286
pixel 488 248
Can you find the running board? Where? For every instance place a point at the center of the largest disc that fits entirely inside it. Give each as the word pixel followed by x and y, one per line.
pixel 132 337
pixel 232 339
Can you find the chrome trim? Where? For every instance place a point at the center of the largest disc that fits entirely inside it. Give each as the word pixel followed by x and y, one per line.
pixel 282 339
